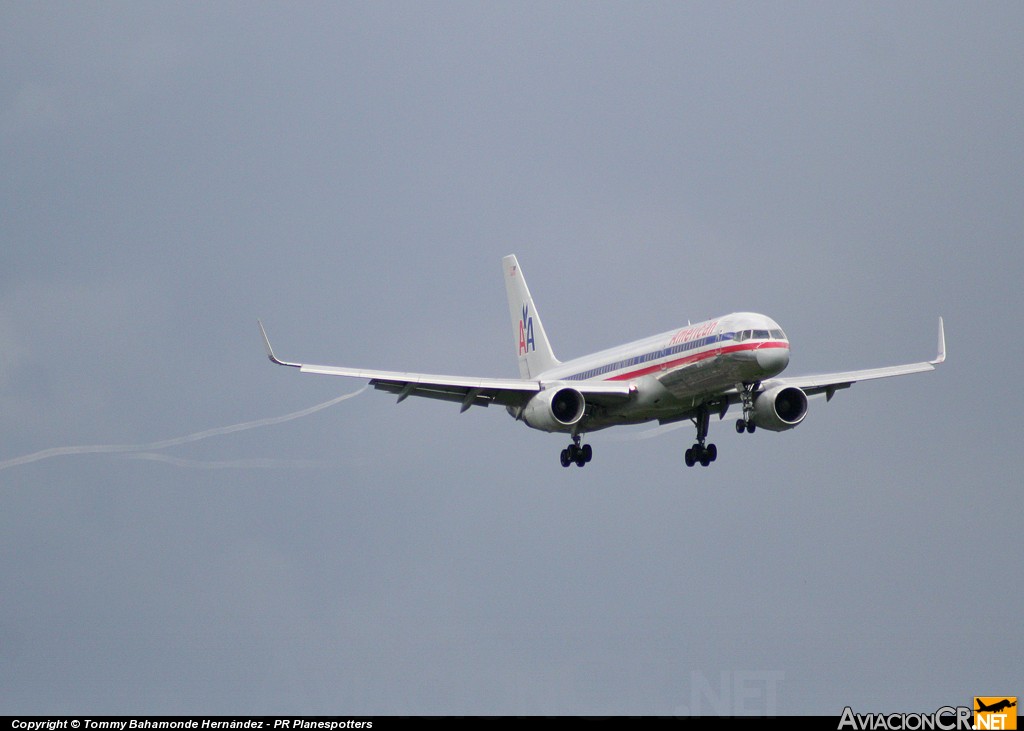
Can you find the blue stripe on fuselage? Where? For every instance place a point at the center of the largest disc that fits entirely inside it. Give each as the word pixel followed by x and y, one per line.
pixel 651 357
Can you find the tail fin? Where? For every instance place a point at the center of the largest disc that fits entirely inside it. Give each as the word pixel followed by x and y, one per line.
pixel 535 355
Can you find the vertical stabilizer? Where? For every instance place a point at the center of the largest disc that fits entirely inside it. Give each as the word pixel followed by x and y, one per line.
pixel 531 342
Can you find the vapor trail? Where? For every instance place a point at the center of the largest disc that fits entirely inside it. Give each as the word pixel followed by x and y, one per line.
pixel 164 444
pixel 221 464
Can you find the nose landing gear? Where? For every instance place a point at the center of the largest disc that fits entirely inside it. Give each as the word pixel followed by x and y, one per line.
pixel 746 424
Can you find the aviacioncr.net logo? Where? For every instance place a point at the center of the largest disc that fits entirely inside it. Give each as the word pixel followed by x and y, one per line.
pixel 946 718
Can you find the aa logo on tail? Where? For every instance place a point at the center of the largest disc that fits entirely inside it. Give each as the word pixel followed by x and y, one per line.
pixel 995 712
pixel 526 342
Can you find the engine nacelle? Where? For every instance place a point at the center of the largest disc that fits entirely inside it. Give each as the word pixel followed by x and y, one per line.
pixel 554 409
pixel 780 408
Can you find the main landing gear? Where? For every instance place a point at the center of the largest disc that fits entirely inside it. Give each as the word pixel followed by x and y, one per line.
pixel 701 452
pixel 576 453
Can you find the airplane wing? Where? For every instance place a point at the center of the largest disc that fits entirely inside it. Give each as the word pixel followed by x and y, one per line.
pixel 829 383
pixel 467 391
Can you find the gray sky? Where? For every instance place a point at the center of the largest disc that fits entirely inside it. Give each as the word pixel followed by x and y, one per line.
pixel 353 173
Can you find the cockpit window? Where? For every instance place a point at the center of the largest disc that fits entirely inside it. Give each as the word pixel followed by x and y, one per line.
pixel 773 334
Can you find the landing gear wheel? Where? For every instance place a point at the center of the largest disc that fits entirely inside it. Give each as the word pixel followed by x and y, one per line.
pixel 745 426
pixel 580 454
pixel 700 452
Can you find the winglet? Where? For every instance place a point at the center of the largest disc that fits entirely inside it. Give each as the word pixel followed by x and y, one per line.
pixel 941 357
pixel 270 351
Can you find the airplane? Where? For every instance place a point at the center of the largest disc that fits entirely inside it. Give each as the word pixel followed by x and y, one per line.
pixel 995 707
pixel 692 372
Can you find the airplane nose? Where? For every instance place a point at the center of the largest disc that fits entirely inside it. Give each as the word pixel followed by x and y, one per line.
pixel 772 360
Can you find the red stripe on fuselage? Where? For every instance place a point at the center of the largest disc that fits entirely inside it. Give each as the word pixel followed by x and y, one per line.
pixel 697 357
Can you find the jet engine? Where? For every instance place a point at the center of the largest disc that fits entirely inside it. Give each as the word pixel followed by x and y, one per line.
pixel 554 409
pixel 780 408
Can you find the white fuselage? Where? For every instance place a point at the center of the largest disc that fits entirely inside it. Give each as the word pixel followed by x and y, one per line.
pixel 677 371
pixel 692 372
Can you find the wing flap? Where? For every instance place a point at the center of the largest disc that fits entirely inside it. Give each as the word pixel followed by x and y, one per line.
pixel 468 391
pixel 464 383
pixel 467 396
pixel 832 381
pixel 829 383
